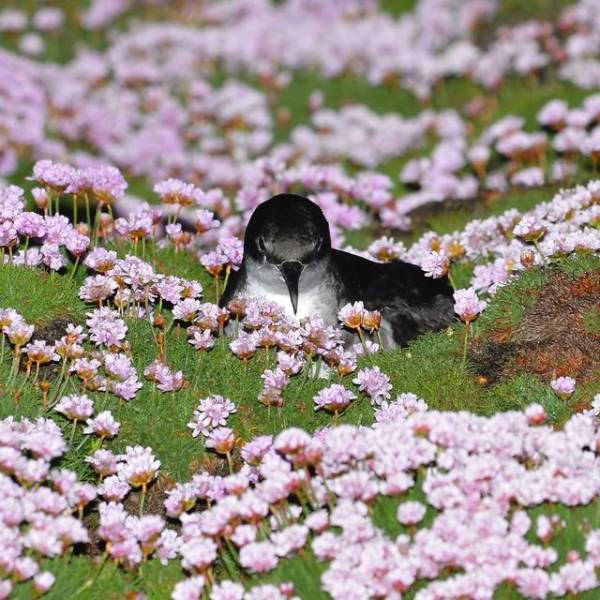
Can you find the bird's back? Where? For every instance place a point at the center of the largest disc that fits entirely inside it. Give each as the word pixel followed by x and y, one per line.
pixel 408 301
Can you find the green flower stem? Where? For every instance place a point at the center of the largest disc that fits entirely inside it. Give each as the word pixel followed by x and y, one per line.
pixel 466 342
pixel 143 499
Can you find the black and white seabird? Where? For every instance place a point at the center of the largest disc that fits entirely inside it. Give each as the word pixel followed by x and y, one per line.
pixel 288 259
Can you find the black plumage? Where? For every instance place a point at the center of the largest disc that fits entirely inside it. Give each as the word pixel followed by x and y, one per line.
pixel 410 302
pixel 287 253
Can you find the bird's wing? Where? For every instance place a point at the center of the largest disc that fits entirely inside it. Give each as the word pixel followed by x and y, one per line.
pixel 409 301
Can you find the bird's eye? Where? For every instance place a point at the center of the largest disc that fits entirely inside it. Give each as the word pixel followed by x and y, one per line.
pixel 260 244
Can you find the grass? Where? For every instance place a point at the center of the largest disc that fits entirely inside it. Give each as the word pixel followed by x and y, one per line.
pixel 510 303
pixel 509 11
pixel 591 320
pixel 514 11
pixel 41 298
pixel 397 8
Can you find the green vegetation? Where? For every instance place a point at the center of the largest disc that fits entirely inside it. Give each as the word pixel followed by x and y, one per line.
pixel 41 298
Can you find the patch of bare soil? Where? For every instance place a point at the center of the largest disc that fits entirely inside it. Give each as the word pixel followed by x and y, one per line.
pixel 551 340
pixel 50 333
pixel 53 331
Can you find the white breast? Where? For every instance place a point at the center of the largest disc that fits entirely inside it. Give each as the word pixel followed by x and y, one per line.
pixel 315 295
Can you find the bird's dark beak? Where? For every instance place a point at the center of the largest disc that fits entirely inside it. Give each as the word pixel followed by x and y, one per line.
pixel 291 269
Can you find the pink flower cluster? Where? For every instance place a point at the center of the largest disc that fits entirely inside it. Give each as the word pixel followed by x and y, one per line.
pixel 38 503
pixel 503 246
pixel 212 413
pixel 211 134
pixel 504 155
pixel 482 475
pixel 20 229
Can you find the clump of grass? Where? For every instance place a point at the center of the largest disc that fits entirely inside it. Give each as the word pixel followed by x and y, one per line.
pixel 591 320
pixel 507 308
pixel 41 298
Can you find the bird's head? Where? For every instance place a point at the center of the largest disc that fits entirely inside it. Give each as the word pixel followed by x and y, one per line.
pixel 289 232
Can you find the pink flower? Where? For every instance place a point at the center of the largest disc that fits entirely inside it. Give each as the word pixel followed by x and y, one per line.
pixel 290 539
pixel 76 408
pixel 139 466
pixel 274 379
pixel 40 352
pixel 167 546
pixel 222 439
pixel 18 332
pixel 351 315
pixel 104 425
pixel 118 366
pixel 168 380
pixel 186 310
pixel 411 513
pixel 318 520
pixel 253 451
pixel 137 226
pixel 43 581
pixel 212 412
pixel 529 228
pixel 204 221
pixel 333 399
pixel 100 259
pixel 77 243
pixel 201 340
pixel 227 590
pixel 106 327
pixel 563 386
pixel 104 462
pixel 107 184
pixel 52 256
pixel 176 192
pixel 553 114
pixel 54 175
pixel 48 18
pixel 533 583
pixel 245 346
pixel 189 589
pixel 114 489
pixel 573 578
pixel 198 554
pixel 181 498
pixel 374 384
pixel 467 305
pixel 30 225
pixel 232 250
pixel 386 249
pixel 97 289
pixel 536 414
pixel 213 262
pixel 436 264
pixel 259 557
pixel 404 405
pixel 244 535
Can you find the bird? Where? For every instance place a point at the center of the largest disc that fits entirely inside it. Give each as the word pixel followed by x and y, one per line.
pixel 288 259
